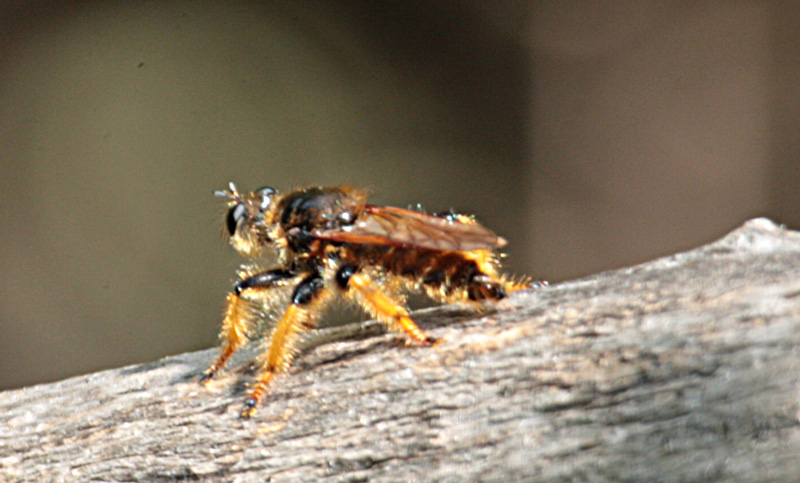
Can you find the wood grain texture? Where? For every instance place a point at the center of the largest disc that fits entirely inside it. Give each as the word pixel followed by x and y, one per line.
pixel 681 369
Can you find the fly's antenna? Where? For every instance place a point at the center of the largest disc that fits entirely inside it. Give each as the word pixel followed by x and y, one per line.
pixel 231 194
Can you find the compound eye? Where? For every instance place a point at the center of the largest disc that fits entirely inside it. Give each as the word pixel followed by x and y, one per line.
pixel 235 215
pixel 266 197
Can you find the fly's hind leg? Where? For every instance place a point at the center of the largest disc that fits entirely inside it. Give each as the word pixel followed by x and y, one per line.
pixel 308 299
pixel 484 287
pixel 482 281
pixel 366 292
pixel 240 314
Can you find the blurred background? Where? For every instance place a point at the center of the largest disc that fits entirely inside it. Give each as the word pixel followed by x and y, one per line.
pixel 592 135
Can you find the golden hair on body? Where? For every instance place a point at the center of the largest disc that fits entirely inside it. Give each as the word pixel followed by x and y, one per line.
pixel 328 241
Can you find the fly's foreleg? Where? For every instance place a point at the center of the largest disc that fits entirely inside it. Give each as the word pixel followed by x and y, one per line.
pixel 240 314
pixel 308 299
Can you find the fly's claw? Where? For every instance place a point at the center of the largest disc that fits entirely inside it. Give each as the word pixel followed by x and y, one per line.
pixel 250 408
pixel 207 376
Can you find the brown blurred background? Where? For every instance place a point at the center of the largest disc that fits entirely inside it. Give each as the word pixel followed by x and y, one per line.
pixel 591 135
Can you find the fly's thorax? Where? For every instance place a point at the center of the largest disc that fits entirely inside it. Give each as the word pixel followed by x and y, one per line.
pixel 304 213
pixel 319 209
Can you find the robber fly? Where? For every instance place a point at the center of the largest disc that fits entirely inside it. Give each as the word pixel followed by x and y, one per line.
pixel 329 241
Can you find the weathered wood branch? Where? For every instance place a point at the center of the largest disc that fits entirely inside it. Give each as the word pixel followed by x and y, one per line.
pixel 682 369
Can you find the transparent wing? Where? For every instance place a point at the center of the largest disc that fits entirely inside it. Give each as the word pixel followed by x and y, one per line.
pixel 385 225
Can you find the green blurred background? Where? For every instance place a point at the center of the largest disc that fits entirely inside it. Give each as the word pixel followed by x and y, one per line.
pixel 591 135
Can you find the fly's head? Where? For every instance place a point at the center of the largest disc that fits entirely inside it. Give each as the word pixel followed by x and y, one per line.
pixel 248 221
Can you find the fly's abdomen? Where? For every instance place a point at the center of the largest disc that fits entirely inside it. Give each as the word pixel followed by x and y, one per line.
pixel 448 275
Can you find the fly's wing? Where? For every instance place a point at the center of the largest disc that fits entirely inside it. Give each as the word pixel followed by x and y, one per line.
pixel 385 225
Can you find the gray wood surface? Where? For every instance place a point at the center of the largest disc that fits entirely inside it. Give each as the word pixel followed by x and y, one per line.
pixel 681 369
